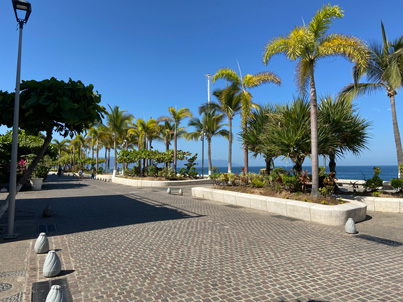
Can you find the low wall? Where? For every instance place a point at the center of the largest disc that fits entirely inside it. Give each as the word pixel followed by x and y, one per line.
pixel 154 183
pixel 324 214
pixel 380 204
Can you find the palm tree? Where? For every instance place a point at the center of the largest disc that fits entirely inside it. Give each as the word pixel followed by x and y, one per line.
pixel 286 133
pixel 384 72
pixel 230 106
pixel 308 44
pixel 176 116
pixel 211 126
pixel 345 131
pixel 117 121
pixel 252 134
pixel 79 144
pixel 61 146
pixel 241 84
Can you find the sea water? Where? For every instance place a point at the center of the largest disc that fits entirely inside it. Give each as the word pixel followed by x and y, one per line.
pixel 342 172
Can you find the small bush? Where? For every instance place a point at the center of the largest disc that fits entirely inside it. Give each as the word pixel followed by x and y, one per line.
pixel 376 194
pixel 375 182
pixel 397 183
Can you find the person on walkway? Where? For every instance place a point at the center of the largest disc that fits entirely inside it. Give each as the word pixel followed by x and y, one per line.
pixel 59 171
pixel 80 174
pixel 92 174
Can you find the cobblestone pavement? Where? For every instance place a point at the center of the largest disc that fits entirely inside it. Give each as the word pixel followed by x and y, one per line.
pixel 120 243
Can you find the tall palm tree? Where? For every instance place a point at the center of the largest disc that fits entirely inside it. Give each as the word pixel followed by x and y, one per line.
pixel 384 72
pixel 308 44
pixel 211 125
pixel 241 84
pixel 61 146
pixel 230 106
pixel 176 116
pixel 345 131
pixel 117 121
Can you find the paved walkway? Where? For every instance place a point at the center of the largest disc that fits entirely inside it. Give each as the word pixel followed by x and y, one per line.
pixel 120 243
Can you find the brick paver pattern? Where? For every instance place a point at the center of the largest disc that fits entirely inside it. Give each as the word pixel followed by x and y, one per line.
pixel 120 243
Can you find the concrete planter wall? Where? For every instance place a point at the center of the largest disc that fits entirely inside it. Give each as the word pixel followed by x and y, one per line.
pixel 324 214
pixel 154 183
pixel 380 204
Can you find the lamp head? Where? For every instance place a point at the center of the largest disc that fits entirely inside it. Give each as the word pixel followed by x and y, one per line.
pixel 21 7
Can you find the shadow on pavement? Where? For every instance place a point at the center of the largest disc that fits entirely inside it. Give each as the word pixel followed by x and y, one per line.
pixel 87 213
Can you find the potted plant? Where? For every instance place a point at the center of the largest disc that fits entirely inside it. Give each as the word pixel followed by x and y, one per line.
pixel 38 177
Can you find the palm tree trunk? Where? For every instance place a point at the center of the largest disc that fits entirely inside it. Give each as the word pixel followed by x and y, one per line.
pixel 245 154
pixel 230 145
pixel 210 166
pixel 109 158
pixel 396 133
pixel 96 161
pixel 314 137
pixel 175 149
pixel 115 163
pixel 332 163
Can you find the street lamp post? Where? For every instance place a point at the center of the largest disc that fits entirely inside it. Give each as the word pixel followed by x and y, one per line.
pixel 203 153
pixel 20 7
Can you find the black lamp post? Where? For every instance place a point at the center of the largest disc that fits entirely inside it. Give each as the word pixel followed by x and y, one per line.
pixel 22 10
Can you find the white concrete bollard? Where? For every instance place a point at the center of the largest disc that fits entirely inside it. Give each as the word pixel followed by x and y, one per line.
pixel 169 190
pixel 180 193
pixel 350 226
pixel 52 266
pixel 55 294
pixel 42 244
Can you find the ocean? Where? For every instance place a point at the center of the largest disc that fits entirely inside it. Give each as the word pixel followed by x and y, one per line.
pixel 342 172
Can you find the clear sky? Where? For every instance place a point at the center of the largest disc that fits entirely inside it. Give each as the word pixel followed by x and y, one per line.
pixel 146 56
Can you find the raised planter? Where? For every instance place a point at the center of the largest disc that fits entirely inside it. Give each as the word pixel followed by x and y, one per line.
pixel 380 204
pixel 324 214
pixel 36 183
pixel 155 183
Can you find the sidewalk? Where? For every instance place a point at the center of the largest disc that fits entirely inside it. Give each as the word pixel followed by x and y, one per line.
pixel 120 243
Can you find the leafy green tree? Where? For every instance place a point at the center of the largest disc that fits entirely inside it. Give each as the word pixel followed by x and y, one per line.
pixel 308 44
pixel 211 125
pixel 230 106
pixel 51 105
pixel 176 116
pixel 117 121
pixel 384 72
pixel 240 86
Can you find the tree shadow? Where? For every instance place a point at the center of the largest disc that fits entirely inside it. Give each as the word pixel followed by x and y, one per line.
pixel 88 213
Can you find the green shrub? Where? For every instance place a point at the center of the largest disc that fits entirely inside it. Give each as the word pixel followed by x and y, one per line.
pixel 373 183
pixel 397 183
pixel 100 170
pixel 40 171
pixel 257 183
pixel 291 182
pixel 376 194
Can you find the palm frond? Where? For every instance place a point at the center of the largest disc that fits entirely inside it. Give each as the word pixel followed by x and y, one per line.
pixel 302 75
pixel 347 46
pixel 277 45
pixel 227 74
pixel 351 91
pixel 322 19
pixel 251 81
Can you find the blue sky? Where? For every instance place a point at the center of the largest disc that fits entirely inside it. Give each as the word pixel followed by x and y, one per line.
pixel 146 56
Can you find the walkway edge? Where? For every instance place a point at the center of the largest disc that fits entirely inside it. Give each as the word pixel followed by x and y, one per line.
pixel 324 214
